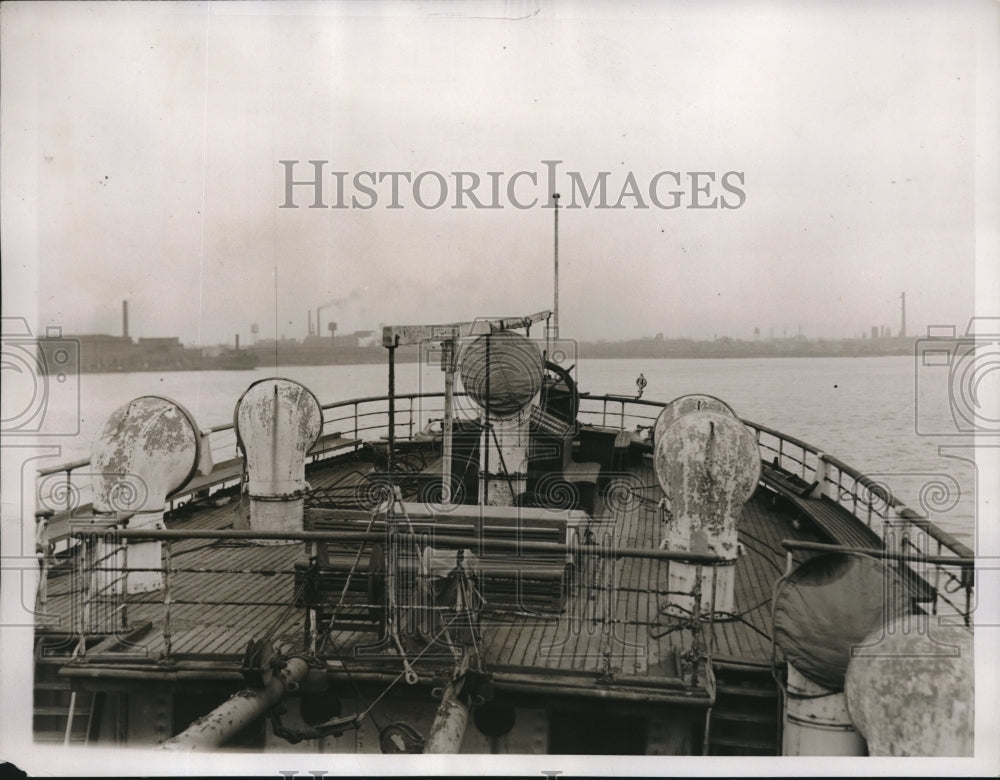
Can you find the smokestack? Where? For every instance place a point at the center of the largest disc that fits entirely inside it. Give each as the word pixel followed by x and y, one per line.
pixel 309 317
pixel 125 319
pixel 237 341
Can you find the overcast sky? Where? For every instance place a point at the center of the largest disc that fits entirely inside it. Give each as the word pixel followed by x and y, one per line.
pixel 143 144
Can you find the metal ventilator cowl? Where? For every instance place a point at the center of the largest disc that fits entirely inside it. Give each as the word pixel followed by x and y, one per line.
pixel 502 373
pixel 685 404
pixel 910 688
pixel 277 421
pixel 708 465
pixel 146 450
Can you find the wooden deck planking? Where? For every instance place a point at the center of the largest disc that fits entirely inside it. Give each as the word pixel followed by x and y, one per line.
pixel 495 637
pixel 518 644
pixel 538 634
pixel 627 580
pixel 624 599
pixel 534 633
pixel 573 642
pixel 543 654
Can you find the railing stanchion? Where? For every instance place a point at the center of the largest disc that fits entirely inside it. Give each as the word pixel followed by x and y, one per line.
pixel 966 574
pixel 42 554
pixel 697 640
pixel 167 565
pixel 89 574
pixel 124 580
pixel 937 582
pixel 711 617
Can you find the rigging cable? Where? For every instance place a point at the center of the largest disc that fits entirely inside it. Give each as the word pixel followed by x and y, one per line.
pixel 347 582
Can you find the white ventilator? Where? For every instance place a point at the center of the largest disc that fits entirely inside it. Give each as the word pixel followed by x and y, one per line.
pixel 910 688
pixel 277 421
pixel 685 404
pixel 708 464
pixel 146 450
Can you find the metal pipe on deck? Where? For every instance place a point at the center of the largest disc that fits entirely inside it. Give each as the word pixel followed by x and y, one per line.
pixel 636 689
pixel 513 545
pixel 449 724
pixel 238 711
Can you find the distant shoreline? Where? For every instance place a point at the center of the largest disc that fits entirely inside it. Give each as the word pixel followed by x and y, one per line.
pixel 729 348
pixel 263 356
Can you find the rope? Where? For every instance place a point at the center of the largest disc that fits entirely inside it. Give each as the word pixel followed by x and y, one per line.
pixel 402 673
pixel 747 534
pixel 347 584
pixel 750 547
pixel 393 611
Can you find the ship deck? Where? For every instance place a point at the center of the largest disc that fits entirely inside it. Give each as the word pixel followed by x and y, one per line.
pixel 609 628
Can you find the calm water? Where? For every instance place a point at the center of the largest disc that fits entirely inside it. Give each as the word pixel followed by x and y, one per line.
pixel 860 410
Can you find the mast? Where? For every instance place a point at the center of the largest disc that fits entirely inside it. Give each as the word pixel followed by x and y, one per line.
pixel 448 364
pixel 555 302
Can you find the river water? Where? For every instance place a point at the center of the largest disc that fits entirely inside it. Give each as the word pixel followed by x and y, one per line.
pixel 861 410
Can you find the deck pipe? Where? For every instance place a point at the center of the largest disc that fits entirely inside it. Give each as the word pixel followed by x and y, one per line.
pixel 667 692
pixel 514 545
pixel 239 711
pixel 450 722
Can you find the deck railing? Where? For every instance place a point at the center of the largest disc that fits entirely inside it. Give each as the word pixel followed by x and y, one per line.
pixel 901 528
pixel 101 605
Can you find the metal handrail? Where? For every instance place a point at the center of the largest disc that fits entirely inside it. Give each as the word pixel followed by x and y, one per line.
pixel 874 490
pixel 819 547
pixel 701 626
pixel 874 493
pixel 519 545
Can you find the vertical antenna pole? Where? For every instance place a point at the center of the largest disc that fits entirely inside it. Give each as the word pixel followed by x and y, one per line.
pixel 485 499
pixel 276 315
pixel 448 364
pixel 392 413
pixel 555 302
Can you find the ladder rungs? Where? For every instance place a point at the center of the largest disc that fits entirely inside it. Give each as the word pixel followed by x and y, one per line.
pixel 738 742
pixel 743 717
pixel 745 690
